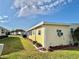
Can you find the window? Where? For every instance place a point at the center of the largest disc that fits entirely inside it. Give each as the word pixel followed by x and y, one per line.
pixel 39 32
pixel 58 30
pixel 59 33
pixel 2 31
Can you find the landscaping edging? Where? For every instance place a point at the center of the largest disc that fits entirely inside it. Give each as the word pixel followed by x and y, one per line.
pixel 39 49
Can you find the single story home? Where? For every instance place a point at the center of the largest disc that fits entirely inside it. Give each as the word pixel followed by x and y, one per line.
pixel 3 31
pixel 17 32
pixel 51 34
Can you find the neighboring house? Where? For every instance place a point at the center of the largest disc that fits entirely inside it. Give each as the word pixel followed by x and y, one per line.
pixel 51 34
pixel 3 31
pixel 17 32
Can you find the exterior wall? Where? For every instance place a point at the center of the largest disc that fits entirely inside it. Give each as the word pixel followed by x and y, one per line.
pixel 40 38
pixel 36 37
pixel 3 32
pixel 49 36
pixel 32 36
pixel 52 39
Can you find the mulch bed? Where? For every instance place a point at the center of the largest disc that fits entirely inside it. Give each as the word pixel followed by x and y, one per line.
pixel 68 47
pixel 71 48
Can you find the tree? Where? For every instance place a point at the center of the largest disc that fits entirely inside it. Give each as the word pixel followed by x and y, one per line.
pixel 76 35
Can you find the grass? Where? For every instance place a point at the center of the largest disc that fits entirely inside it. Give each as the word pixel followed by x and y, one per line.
pixel 11 44
pixel 29 52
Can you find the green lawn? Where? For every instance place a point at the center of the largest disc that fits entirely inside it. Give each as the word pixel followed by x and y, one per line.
pixel 11 44
pixel 19 48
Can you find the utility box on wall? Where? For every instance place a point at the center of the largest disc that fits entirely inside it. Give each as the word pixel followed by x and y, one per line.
pixel 1 48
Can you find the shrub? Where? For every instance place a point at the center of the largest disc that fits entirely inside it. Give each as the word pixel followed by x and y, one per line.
pixel 75 44
pixel 38 45
pixel 34 42
pixel 50 48
pixel 24 36
pixel 76 36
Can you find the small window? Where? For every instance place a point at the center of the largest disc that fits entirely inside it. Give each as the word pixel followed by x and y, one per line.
pixel 58 30
pixel 59 33
pixel 2 31
pixel 39 32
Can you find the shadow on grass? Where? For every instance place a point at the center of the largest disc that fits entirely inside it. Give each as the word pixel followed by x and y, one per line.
pixel 75 48
pixel 11 44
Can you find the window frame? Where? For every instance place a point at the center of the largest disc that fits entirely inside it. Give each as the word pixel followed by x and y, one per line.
pixel 39 32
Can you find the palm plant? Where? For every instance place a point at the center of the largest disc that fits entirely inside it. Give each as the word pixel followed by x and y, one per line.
pixel 75 36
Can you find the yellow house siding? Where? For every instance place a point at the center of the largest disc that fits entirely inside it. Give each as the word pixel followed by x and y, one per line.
pixel 40 38
pixel 36 37
pixel 32 36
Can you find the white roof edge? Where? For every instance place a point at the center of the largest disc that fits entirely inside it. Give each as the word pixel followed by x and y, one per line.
pixel 41 23
pixel 4 28
pixel 75 24
pixel 54 23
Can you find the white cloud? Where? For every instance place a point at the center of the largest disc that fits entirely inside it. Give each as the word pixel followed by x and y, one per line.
pixel 3 21
pixel 28 7
pixel 5 16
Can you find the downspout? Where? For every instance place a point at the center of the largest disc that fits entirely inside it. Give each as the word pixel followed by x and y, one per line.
pixel 45 33
pixel 35 35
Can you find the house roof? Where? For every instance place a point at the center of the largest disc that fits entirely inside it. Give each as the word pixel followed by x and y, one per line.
pixel 18 30
pixel 47 23
pixel 75 24
pixel 4 28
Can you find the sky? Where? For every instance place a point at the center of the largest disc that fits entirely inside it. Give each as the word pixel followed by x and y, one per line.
pixel 23 14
